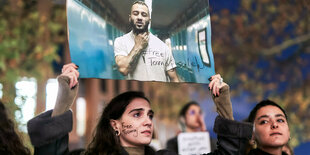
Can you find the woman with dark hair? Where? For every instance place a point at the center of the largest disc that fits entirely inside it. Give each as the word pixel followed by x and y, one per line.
pixel 270 127
pixel 271 131
pixel 125 126
pixel 10 142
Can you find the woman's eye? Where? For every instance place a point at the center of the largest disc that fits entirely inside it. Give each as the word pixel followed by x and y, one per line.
pixel 151 117
pixel 281 120
pixel 263 122
pixel 136 115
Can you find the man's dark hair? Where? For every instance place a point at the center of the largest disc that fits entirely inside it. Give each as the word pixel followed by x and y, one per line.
pixel 186 107
pixel 260 105
pixel 141 3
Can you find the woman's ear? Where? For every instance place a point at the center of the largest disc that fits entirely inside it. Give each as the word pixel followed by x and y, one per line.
pixel 252 141
pixel 115 124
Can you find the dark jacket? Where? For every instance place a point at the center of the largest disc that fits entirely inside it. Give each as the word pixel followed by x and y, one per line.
pixel 260 152
pixel 172 144
pixel 49 135
pixel 232 136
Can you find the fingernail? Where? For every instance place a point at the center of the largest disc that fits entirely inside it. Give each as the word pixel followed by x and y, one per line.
pixel 210 78
pixel 77 66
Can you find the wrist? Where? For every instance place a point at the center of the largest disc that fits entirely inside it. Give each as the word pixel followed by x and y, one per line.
pixel 139 47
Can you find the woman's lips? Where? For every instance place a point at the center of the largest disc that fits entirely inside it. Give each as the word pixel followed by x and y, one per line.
pixel 147 132
pixel 275 133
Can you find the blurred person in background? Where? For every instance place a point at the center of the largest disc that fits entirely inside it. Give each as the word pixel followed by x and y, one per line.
pixel 191 119
pixel 10 141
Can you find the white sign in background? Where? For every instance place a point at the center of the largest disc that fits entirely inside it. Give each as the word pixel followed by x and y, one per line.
pixel 194 143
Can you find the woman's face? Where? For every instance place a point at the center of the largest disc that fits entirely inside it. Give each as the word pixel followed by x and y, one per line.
pixel 135 125
pixel 270 127
pixel 193 117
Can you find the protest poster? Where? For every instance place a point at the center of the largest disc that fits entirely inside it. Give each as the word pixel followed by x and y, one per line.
pixel 192 143
pixel 187 50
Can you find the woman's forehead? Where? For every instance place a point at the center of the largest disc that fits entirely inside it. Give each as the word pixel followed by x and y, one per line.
pixel 138 103
pixel 270 111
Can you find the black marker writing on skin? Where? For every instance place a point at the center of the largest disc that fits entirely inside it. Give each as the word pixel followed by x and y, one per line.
pixel 127 129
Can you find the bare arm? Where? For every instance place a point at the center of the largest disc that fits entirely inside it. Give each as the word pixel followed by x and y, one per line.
pixel 173 75
pixel 127 64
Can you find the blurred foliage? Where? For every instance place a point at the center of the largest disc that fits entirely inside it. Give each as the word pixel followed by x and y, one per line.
pixel 28 40
pixel 264 48
pixel 29 34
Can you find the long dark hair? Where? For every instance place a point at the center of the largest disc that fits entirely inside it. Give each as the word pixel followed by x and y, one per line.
pixel 105 140
pixel 10 142
pixel 263 104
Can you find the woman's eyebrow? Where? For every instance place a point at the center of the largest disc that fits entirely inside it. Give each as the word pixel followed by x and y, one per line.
pixel 280 115
pixel 267 116
pixel 138 109
pixel 263 116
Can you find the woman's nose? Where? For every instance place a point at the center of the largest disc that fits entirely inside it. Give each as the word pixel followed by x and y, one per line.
pixel 147 122
pixel 274 125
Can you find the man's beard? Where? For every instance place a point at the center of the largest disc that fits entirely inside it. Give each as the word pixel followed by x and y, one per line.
pixel 139 31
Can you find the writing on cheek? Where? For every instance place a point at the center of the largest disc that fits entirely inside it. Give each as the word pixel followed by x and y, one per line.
pixel 128 129
pixel 126 126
